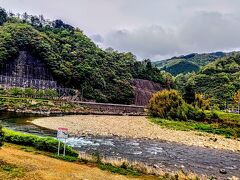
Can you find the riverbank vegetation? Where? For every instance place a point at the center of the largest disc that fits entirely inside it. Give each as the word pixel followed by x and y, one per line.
pixel 48 144
pixel 29 93
pixel 169 109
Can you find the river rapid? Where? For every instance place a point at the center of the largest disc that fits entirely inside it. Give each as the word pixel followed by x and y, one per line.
pixel 167 155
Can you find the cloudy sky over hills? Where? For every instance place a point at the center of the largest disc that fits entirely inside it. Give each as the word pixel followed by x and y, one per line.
pixel 150 29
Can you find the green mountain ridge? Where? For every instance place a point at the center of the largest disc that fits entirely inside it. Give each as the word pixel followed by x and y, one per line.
pixel 189 63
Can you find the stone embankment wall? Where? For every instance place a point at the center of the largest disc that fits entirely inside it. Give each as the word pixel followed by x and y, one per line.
pixel 106 108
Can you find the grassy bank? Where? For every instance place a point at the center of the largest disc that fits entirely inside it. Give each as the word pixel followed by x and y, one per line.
pixel 227 125
pixel 48 144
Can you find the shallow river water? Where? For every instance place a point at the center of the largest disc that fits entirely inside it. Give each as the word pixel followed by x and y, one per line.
pixel 167 155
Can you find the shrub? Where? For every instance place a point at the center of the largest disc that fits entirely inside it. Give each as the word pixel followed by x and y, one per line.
pixel 169 104
pixel 165 103
pixel 16 91
pixel 195 113
pixel 179 113
pixel 41 143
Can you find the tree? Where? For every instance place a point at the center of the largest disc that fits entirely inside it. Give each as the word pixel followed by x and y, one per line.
pixel 189 93
pixel 201 102
pixel 3 16
pixel 35 21
pixel 25 17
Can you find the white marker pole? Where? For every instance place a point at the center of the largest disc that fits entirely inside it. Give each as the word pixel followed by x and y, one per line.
pixel 64 150
pixel 58 147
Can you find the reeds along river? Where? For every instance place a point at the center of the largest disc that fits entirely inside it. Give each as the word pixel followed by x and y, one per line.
pixel 166 155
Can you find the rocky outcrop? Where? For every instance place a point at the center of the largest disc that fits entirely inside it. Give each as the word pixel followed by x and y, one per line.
pixel 26 71
pixel 143 90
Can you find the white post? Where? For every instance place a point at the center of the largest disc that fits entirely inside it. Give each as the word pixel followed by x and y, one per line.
pixel 59 147
pixel 64 149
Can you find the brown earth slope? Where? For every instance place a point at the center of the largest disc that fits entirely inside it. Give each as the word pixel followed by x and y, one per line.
pixel 143 90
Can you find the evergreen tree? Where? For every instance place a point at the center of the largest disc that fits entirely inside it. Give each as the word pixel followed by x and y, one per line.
pixel 3 16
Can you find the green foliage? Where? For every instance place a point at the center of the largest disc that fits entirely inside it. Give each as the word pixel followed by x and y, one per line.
pixel 13 171
pixel 181 67
pixel 65 158
pixel 119 170
pixel 169 104
pixel 164 102
pixel 3 16
pixel 189 93
pixel 15 91
pixel 189 63
pixel 145 70
pixel 74 60
pixel 29 93
pixel 221 129
pixel 200 102
pixel 219 80
pixel 41 143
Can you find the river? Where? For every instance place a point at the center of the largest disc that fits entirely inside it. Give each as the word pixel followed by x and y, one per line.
pixel 167 155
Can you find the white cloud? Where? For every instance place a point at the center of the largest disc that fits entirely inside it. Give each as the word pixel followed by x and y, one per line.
pixel 203 32
pixel 149 28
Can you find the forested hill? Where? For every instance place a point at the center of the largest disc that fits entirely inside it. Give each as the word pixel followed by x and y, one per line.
pixel 189 63
pixel 219 80
pixel 74 60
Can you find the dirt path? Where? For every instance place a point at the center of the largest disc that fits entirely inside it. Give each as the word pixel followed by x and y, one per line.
pixel 134 127
pixel 41 167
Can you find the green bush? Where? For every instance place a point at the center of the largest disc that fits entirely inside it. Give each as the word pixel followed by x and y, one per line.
pixel 48 144
pixel 169 104
pixel 195 113
pixel 165 103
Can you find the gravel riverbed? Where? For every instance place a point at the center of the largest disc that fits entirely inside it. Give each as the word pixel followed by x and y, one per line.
pixel 134 127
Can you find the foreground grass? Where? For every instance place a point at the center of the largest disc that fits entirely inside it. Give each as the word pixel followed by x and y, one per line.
pixel 14 167
pixel 23 162
pixel 9 170
pixel 229 125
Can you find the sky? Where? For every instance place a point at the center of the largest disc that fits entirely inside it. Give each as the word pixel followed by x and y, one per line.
pixel 154 29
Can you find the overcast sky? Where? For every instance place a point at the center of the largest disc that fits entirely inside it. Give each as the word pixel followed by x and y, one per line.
pixel 152 29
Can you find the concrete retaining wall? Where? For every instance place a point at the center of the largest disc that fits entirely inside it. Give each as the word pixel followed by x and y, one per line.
pixel 113 108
